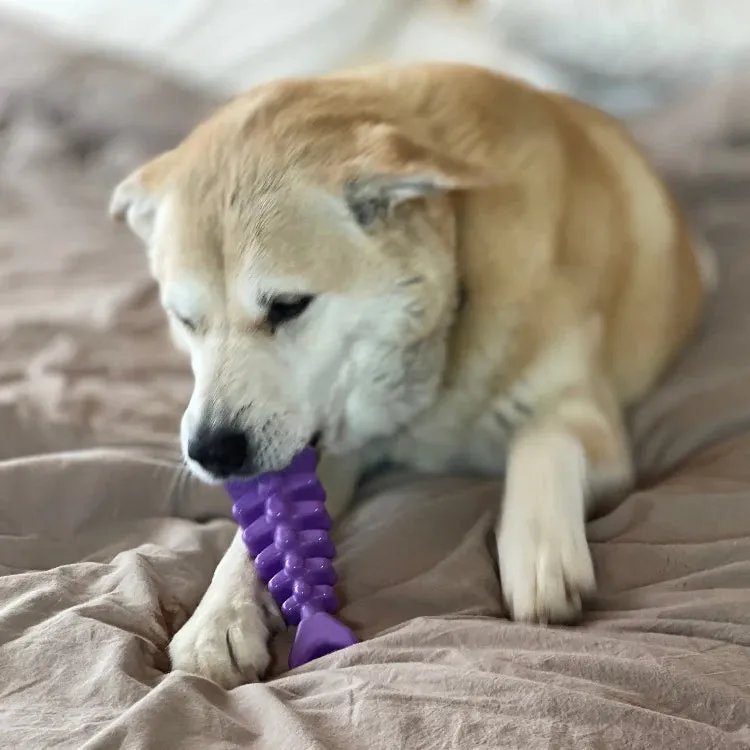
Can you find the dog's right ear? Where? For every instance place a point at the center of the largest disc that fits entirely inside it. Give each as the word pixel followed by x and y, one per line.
pixel 391 168
pixel 136 199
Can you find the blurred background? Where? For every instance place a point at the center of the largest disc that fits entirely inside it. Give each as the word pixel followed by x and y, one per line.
pixel 624 55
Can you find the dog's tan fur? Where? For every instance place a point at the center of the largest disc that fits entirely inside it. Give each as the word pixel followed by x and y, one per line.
pixel 529 277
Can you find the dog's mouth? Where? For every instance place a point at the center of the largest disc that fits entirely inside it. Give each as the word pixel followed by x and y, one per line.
pixel 316 440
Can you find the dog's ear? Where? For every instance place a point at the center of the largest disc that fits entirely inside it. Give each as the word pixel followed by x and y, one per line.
pixel 372 196
pixel 394 168
pixel 136 199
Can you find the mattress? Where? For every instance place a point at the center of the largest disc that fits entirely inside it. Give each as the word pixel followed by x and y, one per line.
pixel 106 544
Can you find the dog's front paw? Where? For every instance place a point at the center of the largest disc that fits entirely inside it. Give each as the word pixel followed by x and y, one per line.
pixel 545 569
pixel 545 562
pixel 227 642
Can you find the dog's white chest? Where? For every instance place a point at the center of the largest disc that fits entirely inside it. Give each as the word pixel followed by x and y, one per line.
pixel 448 440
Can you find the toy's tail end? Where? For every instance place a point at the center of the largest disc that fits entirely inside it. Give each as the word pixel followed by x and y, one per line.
pixel 319 635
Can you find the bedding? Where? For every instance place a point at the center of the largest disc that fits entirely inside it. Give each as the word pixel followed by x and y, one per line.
pixel 106 544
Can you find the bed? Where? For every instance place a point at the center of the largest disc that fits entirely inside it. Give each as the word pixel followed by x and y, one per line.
pixel 106 545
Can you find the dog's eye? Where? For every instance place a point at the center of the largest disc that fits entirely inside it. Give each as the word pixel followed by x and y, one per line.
pixel 282 310
pixel 190 325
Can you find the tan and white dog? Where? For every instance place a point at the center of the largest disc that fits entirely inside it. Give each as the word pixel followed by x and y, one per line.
pixel 432 265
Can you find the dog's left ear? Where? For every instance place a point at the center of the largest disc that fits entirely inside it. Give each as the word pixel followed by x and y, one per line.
pixel 372 196
pixel 136 199
pixel 394 169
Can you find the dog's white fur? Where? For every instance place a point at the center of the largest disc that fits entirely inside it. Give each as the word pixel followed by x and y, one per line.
pixel 497 272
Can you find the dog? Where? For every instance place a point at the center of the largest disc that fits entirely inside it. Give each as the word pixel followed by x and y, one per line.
pixel 431 265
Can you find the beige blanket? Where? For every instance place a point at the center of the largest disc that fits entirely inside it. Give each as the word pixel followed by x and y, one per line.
pixel 105 547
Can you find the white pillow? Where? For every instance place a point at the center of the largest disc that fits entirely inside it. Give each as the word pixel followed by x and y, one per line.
pixel 625 55
pixel 224 45
pixel 622 55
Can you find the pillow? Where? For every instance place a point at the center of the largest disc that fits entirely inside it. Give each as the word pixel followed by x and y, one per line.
pixel 222 45
pixel 625 56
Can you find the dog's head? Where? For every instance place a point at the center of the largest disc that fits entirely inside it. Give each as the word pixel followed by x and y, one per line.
pixel 304 246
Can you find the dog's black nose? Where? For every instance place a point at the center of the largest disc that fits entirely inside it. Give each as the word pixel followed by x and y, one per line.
pixel 221 452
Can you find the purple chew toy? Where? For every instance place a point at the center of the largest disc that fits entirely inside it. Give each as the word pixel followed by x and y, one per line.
pixel 285 529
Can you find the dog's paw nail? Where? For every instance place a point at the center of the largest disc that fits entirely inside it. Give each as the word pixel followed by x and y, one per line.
pixel 546 581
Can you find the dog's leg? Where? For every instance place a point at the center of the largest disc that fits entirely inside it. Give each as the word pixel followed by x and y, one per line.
pixel 226 639
pixel 573 451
